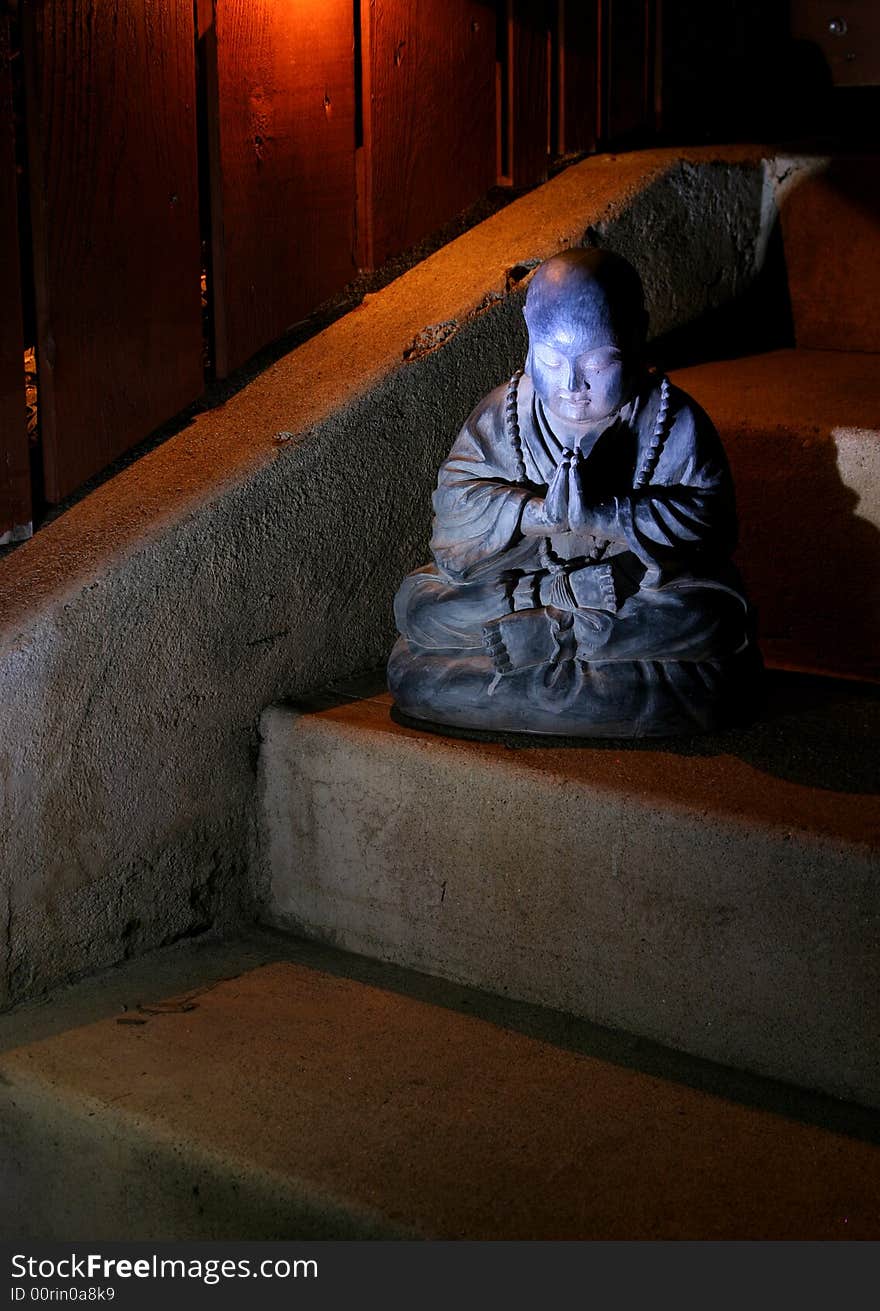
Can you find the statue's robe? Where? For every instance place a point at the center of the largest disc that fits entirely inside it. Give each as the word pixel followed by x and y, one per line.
pixel 639 627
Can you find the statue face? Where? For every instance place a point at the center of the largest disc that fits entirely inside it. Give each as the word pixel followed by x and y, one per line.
pixel 581 376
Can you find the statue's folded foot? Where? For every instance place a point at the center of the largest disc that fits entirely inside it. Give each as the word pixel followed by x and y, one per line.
pixel 546 636
pixel 521 640
pixel 592 629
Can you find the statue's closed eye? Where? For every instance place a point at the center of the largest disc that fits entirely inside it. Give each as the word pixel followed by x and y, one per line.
pixel 597 363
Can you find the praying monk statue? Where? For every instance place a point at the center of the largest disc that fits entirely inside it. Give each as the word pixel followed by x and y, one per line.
pixel 581 581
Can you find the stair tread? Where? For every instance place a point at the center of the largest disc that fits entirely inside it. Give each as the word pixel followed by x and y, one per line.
pixel 434 1121
pixel 813 391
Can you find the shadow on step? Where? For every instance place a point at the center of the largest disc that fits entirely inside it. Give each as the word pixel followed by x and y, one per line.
pixel 816 731
pixel 809 552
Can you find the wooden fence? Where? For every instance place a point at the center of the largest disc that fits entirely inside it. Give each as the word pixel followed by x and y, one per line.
pixel 219 170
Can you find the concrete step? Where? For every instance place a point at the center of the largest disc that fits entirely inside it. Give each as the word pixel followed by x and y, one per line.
pixel 830 216
pixel 718 895
pixel 267 1089
pixel 802 431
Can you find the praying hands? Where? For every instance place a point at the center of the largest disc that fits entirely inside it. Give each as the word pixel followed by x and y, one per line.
pixel 565 508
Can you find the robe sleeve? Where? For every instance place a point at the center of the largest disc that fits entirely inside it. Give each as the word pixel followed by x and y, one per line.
pixel 687 512
pixel 478 502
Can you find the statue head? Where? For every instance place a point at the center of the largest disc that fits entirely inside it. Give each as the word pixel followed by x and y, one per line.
pixel 585 312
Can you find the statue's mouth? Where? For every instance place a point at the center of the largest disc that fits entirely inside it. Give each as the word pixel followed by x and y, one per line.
pixel 573 402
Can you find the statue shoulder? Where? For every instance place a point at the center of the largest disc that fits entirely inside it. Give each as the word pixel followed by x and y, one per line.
pixel 487 417
pixel 694 448
pixel 678 443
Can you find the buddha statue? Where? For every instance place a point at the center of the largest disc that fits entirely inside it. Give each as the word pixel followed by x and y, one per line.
pixel 581 582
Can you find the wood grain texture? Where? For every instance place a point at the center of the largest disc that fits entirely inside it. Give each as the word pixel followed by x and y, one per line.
pixel 15 495
pixel 528 107
pixel 111 124
pixel 283 165
pixel 629 62
pixel 430 121
pixel 578 75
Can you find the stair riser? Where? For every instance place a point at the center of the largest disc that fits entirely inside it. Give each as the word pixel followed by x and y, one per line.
pixel 737 942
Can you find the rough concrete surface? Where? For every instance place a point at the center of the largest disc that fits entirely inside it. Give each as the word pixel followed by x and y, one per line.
pixel 269 1089
pixel 802 432
pixel 720 897
pixel 254 557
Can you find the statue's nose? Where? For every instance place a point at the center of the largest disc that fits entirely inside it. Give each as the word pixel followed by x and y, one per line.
pixel 576 379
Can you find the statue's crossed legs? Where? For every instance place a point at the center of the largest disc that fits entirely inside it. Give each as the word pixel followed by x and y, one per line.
pixel 685 620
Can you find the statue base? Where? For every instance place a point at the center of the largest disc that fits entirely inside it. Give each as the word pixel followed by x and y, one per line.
pixel 575 699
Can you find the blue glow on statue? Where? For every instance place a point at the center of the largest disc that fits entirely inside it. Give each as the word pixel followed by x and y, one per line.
pixel 584 523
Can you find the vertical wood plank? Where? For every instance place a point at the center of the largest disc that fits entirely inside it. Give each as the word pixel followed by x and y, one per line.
pixel 578 75
pixel 431 135
pixel 15 496
pixel 211 188
pixel 114 201
pixel 283 192
pixel 528 86
pixel 365 246
pixel 629 64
